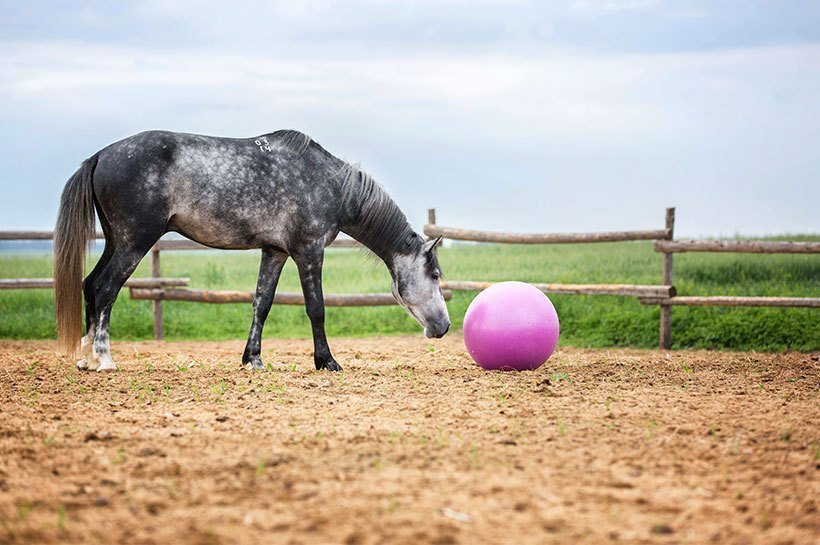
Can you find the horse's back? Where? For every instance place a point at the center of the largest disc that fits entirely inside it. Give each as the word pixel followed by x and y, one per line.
pixel 225 192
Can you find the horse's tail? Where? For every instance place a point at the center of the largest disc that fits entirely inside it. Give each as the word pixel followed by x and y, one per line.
pixel 72 235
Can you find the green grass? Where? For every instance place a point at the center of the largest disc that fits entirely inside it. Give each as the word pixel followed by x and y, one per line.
pixel 589 321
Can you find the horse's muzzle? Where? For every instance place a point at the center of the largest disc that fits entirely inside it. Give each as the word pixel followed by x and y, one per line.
pixel 437 329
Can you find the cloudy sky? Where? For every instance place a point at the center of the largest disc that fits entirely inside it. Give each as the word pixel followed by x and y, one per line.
pixel 506 115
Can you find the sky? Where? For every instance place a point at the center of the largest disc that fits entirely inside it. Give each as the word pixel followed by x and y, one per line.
pixel 520 116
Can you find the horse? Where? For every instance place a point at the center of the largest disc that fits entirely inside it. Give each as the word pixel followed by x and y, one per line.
pixel 280 192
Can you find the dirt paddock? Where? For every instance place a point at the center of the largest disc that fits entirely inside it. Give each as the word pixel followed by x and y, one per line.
pixel 412 443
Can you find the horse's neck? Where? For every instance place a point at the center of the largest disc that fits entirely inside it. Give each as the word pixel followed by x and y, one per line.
pixel 371 239
pixel 385 237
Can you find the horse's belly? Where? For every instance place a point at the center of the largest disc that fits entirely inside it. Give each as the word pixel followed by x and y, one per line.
pixel 221 231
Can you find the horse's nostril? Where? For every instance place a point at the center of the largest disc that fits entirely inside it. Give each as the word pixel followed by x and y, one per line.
pixel 443 333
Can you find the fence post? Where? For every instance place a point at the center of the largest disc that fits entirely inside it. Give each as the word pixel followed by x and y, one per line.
pixel 155 273
pixel 665 340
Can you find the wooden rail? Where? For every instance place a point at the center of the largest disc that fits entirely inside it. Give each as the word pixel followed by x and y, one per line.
pixel 155 287
pixel 453 233
pixel 185 244
pixel 282 298
pixel 47 283
pixel 635 290
pixel 33 235
pixel 734 301
pixel 737 246
pixel 162 244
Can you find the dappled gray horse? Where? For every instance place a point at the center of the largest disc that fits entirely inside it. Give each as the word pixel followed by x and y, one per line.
pixel 281 192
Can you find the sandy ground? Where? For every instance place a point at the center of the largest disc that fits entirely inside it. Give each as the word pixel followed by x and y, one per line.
pixel 412 443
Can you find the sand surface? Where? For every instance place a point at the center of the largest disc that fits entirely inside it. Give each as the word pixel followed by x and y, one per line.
pixel 412 443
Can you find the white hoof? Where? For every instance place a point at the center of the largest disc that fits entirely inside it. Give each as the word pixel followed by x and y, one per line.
pixel 82 364
pixel 106 363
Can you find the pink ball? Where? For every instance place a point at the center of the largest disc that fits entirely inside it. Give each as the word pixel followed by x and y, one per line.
pixel 511 326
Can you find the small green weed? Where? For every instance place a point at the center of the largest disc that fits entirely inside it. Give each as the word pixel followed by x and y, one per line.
pixel 558 377
pixel 120 458
pixel 220 388
pixel 650 429
pixel 62 518
pixel 25 509
pixel 475 459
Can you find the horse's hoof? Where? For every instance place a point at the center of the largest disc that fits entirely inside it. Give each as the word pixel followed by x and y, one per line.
pixel 106 363
pixel 253 365
pixel 82 364
pixel 330 366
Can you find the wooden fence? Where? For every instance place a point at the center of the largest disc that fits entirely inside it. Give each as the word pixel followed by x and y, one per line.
pixel 669 247
pixel 664 294
pixel 158 289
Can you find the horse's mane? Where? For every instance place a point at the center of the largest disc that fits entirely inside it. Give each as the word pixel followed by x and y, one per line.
pixel 293 141
pixel 380 223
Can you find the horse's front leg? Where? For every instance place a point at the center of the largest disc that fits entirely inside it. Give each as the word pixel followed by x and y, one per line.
pixel 310 273
pixel 269 270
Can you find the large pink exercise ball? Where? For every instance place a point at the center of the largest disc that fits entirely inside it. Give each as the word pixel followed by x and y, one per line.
pixel 511 326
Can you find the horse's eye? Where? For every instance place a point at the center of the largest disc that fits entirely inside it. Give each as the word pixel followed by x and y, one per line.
pixel 436 275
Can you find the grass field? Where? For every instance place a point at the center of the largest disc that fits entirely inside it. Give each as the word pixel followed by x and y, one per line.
pixel 586 321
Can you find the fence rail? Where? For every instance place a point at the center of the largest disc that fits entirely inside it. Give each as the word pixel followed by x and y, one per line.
pixel 156 288
pixel 283 298
pixel 48 283
pixel 34 235
pixel 162 244
pixel 635 290
pixel 541 238
pixel 736 246
pixel 734 301
pixel 185 244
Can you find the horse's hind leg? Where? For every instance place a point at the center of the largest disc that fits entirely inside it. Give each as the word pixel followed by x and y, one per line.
pixel 87 342
pixel 269 271
pixel 106 287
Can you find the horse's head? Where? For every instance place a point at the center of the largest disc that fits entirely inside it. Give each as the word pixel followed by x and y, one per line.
pixel 416 287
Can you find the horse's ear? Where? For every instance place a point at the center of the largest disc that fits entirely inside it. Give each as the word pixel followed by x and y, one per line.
pixel 431 244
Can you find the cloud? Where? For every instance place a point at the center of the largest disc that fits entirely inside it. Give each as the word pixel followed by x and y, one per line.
pixel 599 7
pixel 562 92
pixel 496 103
